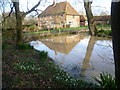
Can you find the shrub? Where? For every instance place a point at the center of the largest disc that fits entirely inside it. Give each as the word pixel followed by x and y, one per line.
pixel 106 81
pixel 24 46
pixel 3 47
pixel 32 27
pixel 43 55
pixel 108 32
pixel 104 33
pixel 101 31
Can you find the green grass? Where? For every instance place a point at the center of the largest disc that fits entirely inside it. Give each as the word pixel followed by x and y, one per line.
pixel 29 33
pixel 25 66
pixel 103 26
pixel 74 28
pixel 57 30
pixel 104 33
pixel 33 69
pixel 67 29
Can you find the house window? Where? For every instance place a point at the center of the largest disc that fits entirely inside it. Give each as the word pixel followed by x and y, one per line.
pixel 108 22
pixel 46 23
pixel 61 15
pixel 41 24
pixel 51 23
pixel 51 17
pixel 70 22
pixel 61 22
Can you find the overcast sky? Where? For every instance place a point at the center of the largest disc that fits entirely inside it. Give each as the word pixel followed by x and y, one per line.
pixel 98 6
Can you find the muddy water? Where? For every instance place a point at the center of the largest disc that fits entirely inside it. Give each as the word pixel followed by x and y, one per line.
pixel 79 55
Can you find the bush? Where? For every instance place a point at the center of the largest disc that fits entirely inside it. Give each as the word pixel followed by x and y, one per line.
pixel 33 27
pixel 104 33
pixel 108 32
pixel 43 55
pixel 106 81
pixel 24 46
pixel 26 25
pixel 101 31
pixel 3 46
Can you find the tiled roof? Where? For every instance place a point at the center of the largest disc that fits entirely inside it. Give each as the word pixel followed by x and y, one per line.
pixel 102 18
pixel 83 18
pixel 62 7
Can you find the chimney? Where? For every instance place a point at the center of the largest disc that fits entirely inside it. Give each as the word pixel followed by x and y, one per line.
pixel 54 2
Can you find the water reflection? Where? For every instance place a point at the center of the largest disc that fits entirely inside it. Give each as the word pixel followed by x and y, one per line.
pixel 86 61
pixel 78 55
pixel 62 44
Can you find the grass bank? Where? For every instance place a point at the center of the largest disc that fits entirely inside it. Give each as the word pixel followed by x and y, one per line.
pixel 104 33
pixel 25 67
pixel 57 30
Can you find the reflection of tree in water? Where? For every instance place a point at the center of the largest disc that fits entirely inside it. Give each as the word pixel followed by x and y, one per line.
pixel 56 53
pixel 92 42
pixel 108 57
pixel 86 61
pixel 107 45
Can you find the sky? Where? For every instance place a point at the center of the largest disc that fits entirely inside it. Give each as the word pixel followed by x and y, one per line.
pixel 98 6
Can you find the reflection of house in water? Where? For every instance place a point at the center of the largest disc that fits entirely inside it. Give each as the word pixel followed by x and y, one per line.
pixel 63 44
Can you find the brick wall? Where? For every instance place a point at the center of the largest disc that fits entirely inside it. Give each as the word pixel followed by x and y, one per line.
pixel 58 21
pixel 73 21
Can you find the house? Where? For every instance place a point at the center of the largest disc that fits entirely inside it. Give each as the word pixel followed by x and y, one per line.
pixel 102 20
pixel 83 20
pixel 59 15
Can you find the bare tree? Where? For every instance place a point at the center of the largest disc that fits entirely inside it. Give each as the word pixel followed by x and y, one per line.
pixel 92 28
pixel 19 18
pixel 115 17
pixel 4 15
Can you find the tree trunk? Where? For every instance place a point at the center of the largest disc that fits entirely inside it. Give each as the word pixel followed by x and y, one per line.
pixel 19 17
pixel 115 18
pixel 19 25
pixel 91 26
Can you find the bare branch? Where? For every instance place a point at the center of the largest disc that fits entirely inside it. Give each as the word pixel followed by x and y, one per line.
pixel 38 10
pixel 107 59
pixel 27 5
pixel 8 15
pixel 32 9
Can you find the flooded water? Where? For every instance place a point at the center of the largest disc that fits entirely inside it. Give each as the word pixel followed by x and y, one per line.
pixel 79 55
